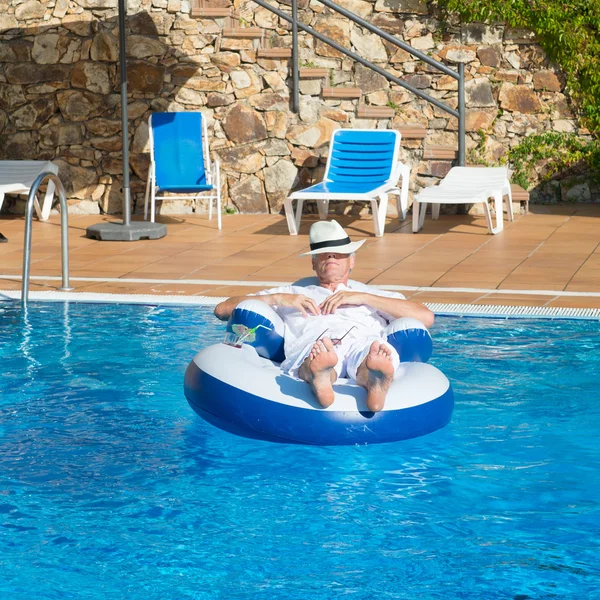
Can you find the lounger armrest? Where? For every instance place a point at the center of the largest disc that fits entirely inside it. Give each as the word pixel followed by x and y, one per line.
pixel 398 170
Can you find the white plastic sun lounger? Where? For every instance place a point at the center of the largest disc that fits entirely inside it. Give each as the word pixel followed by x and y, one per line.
pixel 467 185
pixel 17 177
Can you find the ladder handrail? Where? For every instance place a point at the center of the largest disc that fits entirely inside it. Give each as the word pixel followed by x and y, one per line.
pixel 390 38
pixel 64 231
pixel 459 114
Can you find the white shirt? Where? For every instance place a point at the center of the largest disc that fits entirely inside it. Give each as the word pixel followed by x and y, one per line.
pixel 301 332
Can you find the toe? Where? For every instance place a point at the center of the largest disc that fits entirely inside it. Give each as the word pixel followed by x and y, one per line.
pixel 328 344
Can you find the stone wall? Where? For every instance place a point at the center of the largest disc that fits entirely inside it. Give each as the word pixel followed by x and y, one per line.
pixel 59 91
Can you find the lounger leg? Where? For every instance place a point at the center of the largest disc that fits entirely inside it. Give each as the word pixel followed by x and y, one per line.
pixel 488 216
pixel 499 214
pixel 509 206
pixel 152 204
pixel 416 221
pixel 293 221
pixel 323 209
pixel 435 210
pixel 218 190
pixel 44 213
pixel 403 207
pixel 299 207
pixel 379 214
pixel 147 193
pixel 419 210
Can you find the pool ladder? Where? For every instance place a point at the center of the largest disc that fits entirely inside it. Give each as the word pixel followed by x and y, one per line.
pixel 64 233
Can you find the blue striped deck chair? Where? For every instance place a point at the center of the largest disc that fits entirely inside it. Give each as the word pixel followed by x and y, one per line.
pixel 362 165
pixel 180 161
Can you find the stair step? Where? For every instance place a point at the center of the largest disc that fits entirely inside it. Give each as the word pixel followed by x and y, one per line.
pixel 242 32
pixel 211 12
pixel 519 194
pixel 440 152
pixel 375 112
pixel 274 53
pixel 341 93
pixel 313 73
pixel 412 132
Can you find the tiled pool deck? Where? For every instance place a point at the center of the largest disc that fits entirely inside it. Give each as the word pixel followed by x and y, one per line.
pixel 549 257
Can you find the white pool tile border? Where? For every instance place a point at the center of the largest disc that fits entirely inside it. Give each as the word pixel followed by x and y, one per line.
pixel 268 284
pixel 455 310
pixel 106 298
pixel 512 312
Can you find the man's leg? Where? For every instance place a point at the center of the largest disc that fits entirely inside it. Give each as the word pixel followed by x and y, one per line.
pixel 318 371
pixel 376 373
pixel 3 239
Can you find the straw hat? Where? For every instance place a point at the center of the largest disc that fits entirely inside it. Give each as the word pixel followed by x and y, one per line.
pixel 329 236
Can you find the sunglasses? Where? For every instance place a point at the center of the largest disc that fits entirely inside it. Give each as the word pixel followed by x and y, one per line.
pixel 336 341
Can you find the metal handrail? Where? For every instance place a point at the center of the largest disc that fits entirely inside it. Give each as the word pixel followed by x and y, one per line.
pixel 64 231
pixel 390 38
pixel 460 75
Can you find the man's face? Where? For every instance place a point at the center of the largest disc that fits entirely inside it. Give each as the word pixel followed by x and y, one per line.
pixel 332 266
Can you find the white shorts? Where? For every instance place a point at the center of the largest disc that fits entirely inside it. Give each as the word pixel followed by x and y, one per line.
pixel 351 354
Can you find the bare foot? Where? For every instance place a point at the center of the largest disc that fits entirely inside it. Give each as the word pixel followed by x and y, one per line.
pixel 376 374
pixel 317 370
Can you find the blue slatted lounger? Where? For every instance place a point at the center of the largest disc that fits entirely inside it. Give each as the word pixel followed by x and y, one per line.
pixel 362 165
pixel 180 161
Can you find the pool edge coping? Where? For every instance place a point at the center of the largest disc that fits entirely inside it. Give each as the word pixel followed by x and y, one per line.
pixel 440 309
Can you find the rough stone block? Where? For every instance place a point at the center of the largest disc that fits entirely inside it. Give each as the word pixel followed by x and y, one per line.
pixel 488 56
pixel 519 98
pixel 547 81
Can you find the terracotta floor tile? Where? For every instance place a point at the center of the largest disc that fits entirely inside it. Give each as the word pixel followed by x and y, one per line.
pixel 514 300
pixel 114 287
pixel 229 290
pixel 582 285
pixel 36 285
pixel 10 284
pixel 407 277
pixel 445 297
pixel 576 302
pixel 229 273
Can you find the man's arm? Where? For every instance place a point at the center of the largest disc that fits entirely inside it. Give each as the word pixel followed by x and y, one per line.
pixel 395 307
pixel 302 303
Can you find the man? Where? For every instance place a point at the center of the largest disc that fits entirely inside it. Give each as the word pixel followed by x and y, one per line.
pixel 335 328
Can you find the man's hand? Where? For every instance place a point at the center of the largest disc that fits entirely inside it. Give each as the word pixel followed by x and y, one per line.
pixel 302 303
pixel 335 301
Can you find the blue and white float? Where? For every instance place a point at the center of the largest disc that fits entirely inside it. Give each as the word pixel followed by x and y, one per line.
pixel 241 389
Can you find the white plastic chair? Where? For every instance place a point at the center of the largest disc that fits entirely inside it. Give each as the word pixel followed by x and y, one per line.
pixel 467 185
pixel 17 177
pixel 180 161
pixel 362 165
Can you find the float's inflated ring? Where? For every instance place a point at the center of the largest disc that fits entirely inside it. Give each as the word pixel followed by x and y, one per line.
pixel 239 391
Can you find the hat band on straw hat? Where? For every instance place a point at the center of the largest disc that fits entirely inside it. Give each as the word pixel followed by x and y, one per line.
pixel 330 244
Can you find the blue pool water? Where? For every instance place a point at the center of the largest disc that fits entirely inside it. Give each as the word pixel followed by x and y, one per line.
pixel 111 487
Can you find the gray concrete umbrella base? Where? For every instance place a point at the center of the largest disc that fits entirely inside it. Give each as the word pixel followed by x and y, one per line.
pixel 117 232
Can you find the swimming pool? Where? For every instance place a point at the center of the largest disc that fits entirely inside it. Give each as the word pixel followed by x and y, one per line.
pixel 111 487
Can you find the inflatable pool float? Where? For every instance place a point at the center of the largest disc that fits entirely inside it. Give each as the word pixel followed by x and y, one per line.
pixel 240 388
